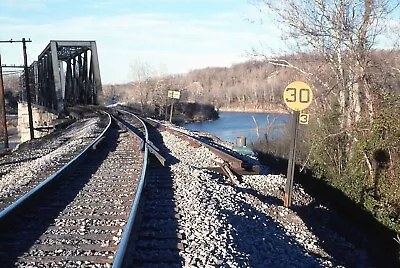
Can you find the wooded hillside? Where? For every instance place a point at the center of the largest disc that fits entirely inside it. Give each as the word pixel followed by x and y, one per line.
pixel 253 85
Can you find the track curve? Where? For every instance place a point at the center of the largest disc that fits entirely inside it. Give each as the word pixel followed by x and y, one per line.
pixel 79 222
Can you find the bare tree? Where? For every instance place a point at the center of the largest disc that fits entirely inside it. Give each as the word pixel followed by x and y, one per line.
pixel 142 74
pixel 344 32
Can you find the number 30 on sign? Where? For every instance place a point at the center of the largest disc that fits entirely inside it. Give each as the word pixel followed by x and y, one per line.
pixel 298 96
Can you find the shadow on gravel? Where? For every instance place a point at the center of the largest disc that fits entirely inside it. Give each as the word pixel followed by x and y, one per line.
pixel 156 224
pixel 343 217
pixel 18 235
pixel 329 227
pixel 257 240
pixel 272 200
pixel 157 139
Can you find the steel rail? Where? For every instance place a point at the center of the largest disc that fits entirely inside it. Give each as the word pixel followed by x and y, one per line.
pixel 239 165
pixel 120 258
pixel 233 160
pixel 14 206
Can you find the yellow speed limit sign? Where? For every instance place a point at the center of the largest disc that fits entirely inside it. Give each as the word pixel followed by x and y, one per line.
pixel 297 95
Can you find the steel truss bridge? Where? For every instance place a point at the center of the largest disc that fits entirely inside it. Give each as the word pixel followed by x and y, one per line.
pixel 66 74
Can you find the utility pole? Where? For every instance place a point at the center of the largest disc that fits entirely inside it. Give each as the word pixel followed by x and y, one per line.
pixel 26 76
pixel 3 108
pixel 28 90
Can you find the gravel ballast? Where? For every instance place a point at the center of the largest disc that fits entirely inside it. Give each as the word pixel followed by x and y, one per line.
pixel 34 157
pixel 245 225
pixel 223 225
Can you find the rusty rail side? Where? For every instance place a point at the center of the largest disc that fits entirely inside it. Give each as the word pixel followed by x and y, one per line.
pixel 236 164
pixel 232 160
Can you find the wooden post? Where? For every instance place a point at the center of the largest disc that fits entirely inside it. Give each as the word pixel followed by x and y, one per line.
pixel 28 91
pixel 3 108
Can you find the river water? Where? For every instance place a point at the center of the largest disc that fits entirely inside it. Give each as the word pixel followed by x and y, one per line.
pixel 231 125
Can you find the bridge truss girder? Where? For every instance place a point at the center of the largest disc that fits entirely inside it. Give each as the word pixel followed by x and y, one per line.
pixel 66 74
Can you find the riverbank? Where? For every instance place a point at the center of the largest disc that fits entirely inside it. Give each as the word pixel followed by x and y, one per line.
pixel 251 125
pixel 249 109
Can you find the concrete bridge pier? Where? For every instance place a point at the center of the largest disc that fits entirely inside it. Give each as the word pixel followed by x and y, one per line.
pixel 42 121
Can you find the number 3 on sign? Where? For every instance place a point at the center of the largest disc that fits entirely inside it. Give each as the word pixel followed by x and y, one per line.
pixel 304 118
pixel 297 96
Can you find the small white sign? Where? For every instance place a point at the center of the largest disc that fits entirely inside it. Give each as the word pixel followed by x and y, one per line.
pixel 174 94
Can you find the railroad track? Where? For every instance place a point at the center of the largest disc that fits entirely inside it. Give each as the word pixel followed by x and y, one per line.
pixel 233 164
pixel 159 239
pixel 156 238
pixel 36 160
pixel 82 217
pixel 97 214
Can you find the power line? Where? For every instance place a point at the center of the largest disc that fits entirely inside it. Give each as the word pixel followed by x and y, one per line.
pixel 5 73
pixel 12 66
pixel 16 41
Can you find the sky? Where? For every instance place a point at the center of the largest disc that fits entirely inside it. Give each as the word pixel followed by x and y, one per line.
pixel 171 36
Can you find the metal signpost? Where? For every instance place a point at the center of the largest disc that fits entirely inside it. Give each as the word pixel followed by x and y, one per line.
pixel 173 94
pixel 297 96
